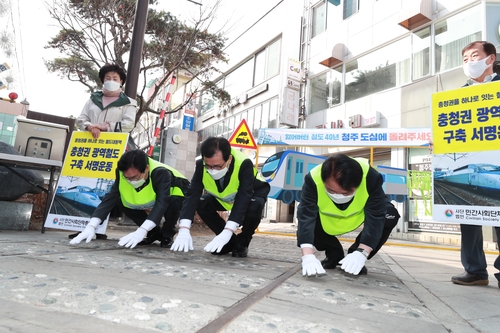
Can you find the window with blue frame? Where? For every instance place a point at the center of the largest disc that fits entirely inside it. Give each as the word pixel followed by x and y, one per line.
pixel 351 7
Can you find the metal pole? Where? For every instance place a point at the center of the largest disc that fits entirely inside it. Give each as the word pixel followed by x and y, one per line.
pixel 141 15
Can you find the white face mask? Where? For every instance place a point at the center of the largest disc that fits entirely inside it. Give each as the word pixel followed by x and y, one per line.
pixel 111 85
pixel 136 183
pixel 217 174
pixel 340 198
pixel 475 69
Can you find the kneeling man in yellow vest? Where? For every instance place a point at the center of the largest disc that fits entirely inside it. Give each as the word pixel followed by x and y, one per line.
pixel 232 184
pixel 145 191
pixel 338 196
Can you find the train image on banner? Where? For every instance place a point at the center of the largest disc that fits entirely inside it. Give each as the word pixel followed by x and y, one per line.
pixel 481 176
pixel 81 196
pixel 440 173
pixel 285 172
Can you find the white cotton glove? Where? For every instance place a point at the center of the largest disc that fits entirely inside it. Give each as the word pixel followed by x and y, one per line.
pixel 223 238
pixel 88 233
pixel 134 238
pixel 311 266
pixel 183 241
pixel 353 262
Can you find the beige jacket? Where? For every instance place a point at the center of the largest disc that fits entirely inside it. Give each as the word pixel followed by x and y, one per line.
pixel 122 110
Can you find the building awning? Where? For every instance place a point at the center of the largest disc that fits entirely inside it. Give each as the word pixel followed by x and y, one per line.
pixel 336 57
pixel 415 13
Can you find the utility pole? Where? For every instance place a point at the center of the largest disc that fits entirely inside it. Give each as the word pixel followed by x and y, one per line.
pixel 134 61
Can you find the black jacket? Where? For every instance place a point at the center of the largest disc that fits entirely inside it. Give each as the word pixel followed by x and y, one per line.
pixel 162 179
pixel 496 78
pixel 375 210
pixel 250 186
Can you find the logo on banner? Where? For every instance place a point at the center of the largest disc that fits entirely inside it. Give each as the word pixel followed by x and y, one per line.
pixel 242 137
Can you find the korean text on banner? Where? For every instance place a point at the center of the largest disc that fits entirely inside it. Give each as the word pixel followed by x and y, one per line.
pixel 466 119
pixel 87 175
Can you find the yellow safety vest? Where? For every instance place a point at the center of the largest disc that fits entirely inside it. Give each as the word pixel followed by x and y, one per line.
pixel 334 220
pixel 146 198
pixel 227 196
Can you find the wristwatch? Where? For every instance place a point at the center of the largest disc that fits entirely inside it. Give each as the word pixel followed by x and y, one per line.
pixel 363 251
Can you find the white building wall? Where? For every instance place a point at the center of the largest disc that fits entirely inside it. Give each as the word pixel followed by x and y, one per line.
pixel 285 22
pixel 375 24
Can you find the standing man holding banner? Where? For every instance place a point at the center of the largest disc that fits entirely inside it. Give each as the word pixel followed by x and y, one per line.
pixel 478 60
pixel 145 190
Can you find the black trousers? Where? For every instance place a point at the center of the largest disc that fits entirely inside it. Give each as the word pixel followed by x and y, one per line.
pixel 209 206
pixel 171 216
pixel 472 252
pixel 331 244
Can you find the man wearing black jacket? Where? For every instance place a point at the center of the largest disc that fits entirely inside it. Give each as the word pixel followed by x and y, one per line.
pixel 478 60
pixel 337 197
pixel 232 184
pixel 145 190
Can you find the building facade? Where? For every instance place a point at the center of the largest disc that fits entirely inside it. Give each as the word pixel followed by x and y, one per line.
pixel 359 60
pixel 383 60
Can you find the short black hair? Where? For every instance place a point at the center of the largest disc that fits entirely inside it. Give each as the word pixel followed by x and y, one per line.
pixel 133 158
pixel 488 48
pixel 345 170
pixel 112 68
pixel 213 144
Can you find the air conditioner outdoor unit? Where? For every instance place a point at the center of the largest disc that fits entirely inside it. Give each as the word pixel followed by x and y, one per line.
pixel 337 124
pixel 355 121
pixel 242 98
pixel 221 113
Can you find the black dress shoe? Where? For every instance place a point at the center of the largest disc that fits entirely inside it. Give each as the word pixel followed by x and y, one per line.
pixel 166 242
pixel 97 236
pixel 469 279
pixel 240 251
pixel 363 271
pixel 225 250
pixel 329 263
pixel 147 241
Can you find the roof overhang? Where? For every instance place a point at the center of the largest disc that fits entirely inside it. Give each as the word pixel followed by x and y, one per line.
pixel 336 57
pixel 415 14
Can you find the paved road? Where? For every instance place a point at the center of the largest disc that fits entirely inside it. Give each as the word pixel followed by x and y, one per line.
pixel 46 285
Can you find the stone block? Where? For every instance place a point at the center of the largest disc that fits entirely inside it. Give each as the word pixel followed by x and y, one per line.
pixel 15 215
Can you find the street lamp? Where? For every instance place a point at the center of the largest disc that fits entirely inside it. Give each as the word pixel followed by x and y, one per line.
pixel 26 107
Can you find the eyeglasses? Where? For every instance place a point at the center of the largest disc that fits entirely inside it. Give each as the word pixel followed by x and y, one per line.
pixel 333 192
pixel 133 178
pixel 218 167
pixel 215 167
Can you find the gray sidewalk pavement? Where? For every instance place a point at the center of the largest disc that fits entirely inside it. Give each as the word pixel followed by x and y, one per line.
pixel 46 285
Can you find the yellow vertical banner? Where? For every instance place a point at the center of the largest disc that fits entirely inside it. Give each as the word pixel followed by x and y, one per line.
pixel 466 119
pixel 466 161
pixel 87 174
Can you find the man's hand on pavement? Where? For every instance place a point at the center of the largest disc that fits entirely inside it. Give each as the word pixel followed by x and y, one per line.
pixel 311 266
pixel 353 262
pixel 88 233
